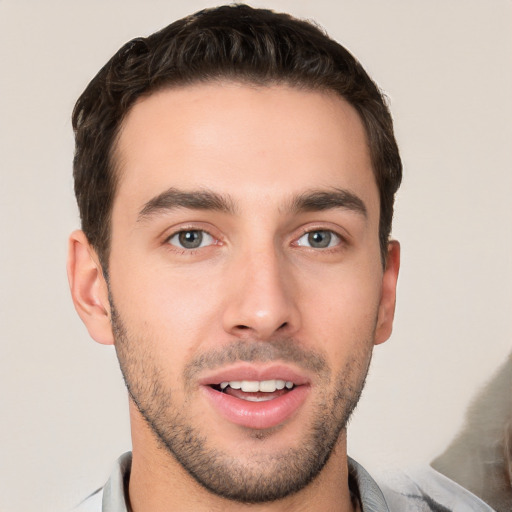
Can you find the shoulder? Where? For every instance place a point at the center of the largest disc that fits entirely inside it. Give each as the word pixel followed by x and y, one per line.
pixel 111 497
pixel 92 503
pixel 426 490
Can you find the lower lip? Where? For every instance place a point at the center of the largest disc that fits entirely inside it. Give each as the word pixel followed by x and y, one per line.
pixel 257 415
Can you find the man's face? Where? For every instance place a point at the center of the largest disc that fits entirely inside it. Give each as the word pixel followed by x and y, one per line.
pixel 245 279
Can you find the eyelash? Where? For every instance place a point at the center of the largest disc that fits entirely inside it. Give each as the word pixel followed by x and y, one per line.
pixel 341 240
pixel 190 251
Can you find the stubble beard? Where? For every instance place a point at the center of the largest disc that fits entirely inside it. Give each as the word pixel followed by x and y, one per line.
pixel 259 477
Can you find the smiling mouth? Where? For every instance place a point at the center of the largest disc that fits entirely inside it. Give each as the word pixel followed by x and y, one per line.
pixel 254 390
pixel 256 398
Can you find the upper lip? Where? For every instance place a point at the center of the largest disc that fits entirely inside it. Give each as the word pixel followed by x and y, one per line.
pixel 253 373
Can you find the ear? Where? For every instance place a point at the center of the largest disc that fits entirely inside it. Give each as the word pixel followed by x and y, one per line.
pixel 89 288
pixel 388 294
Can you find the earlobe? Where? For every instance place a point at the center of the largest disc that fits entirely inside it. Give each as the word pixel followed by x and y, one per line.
pixel 388 296
pixel 88 288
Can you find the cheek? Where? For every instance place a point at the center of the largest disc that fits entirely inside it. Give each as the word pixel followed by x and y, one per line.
pixel 343 311
pixel 172 308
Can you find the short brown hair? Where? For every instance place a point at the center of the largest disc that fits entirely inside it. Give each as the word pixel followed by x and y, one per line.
pixel 233 42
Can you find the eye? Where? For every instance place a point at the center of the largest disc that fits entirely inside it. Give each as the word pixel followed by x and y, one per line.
pixel 319 239
pixel 191 239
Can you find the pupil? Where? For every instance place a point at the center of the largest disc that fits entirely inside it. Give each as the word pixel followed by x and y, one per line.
pixel 190 239
pixel 319 239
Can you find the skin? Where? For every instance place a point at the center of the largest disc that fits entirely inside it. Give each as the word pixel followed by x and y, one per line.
pixel 255 281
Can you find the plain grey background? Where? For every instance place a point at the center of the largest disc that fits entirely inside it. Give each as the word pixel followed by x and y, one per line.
pixel 446 67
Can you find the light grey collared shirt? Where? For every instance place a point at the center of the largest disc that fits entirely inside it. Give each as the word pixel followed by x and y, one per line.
pixel 422 491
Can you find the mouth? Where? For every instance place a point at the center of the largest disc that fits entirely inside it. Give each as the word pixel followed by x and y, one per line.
pixel 256 399
pixel 254 390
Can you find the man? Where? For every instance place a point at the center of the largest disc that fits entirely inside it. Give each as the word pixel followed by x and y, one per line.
pixel 235 174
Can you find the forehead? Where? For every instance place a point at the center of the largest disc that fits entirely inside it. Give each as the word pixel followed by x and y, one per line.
pixel 263 143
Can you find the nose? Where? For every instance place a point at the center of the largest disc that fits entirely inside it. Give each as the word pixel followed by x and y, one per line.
pixel 261 298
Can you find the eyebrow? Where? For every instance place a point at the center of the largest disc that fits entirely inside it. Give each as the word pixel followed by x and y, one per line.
pixel 173 199
pixel 318 200
pixel 315 200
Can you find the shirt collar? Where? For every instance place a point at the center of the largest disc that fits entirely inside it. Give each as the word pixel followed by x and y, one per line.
pixel 366 489
pixel 361 484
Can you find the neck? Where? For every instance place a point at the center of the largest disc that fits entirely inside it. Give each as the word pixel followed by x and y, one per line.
pixel 159 483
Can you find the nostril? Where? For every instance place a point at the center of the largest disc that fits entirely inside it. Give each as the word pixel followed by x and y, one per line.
pixel 283 325
pixel 242 327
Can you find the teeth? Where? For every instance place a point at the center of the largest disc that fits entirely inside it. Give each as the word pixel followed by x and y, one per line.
pixel 280 384
pixel 261 398
pixel 250 386
pixel 253 386
pixel 269 386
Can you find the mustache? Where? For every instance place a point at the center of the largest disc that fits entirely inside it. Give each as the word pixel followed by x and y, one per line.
pixel 255 351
